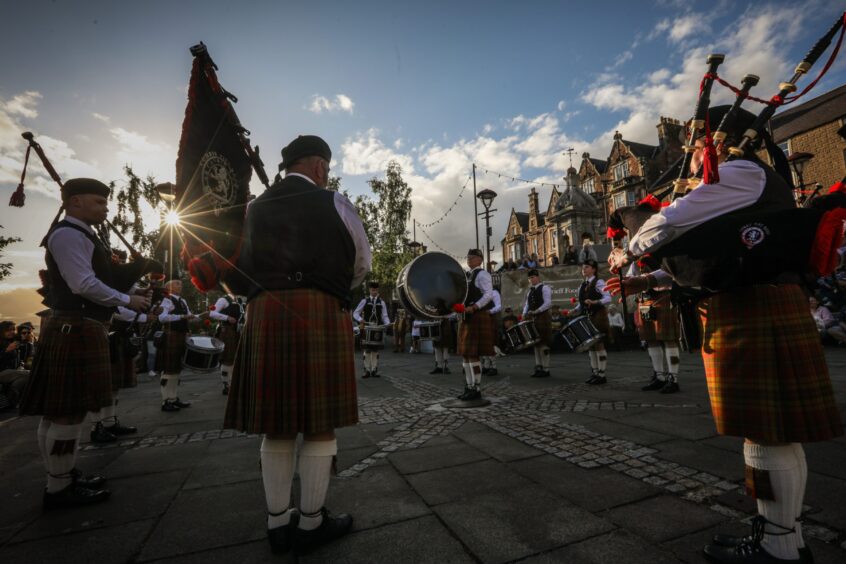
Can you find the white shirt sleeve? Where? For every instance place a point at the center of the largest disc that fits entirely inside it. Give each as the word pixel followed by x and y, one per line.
pixel 346 210
pixel 741 184
pixel 165 316
pixel 526 302
pixel 385 319
pixel 606 297
pixel 547 298
pixel 219 306
pixel 485 284
pixel 72 253
pixel 358 310
pixel 126 314
pixel 497 301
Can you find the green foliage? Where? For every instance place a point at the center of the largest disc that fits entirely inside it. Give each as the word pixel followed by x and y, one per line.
pixel 6 267
pixel 129 219
pixel 385 219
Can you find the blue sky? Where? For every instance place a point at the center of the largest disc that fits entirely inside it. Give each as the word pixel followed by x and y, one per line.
pixel 435 85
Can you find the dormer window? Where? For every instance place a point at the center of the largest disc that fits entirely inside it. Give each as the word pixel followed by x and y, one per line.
pixel 588 185
pixel 621 170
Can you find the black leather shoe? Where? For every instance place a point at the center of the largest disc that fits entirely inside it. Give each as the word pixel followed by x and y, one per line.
pixel 225 390
pixel 492 372
pixel 100 435
pixel 74 495
pixel 598 380
pixel 366 374
pixel 543 374
pixel 118 430
pixel 92 482
pixel 538 370
pixel 805 554
pixel 437 370
pixel 744 553
pixel 447 370
pixel 463 395
pixel 591 379
pixel 281 538
pixel 169 405
pixel 671 387
pixel 473 395
pixel 330 529
pixel 654 384
pixel 374 374
pixel 181 404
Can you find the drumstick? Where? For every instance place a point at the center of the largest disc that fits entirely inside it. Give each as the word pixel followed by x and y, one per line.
pixel 623 302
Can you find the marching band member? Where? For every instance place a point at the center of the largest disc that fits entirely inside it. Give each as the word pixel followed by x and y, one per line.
pixel 174 317
pixel 415 336
pixel 229 313
pixel 400 328
pixel 538 302
pixel 71 372
pixel 443 345
pixel 371 310
pixel 592 299
pixel 295 370
pixel 489 362
pixel 475 335
pixel 764 364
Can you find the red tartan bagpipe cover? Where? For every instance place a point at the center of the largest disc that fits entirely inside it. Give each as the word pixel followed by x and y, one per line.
pixel 213 173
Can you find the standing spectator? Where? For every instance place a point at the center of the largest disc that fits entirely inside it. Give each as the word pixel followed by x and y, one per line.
pixel 570 256
pixel 13 378
pixel 533 261
pixel 587 252
pixel 26 349
pixel 555 260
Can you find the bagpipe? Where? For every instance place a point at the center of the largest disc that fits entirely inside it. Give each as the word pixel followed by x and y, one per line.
pixel 213 170
pixel 124 274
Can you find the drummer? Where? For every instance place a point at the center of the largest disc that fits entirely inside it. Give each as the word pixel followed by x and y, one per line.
pixel 475 335
pixel 174 317
pixel 592 301
pixel 536 308
pixel 489 362
pixel 443 345
pixel 372 310
pixel 229 313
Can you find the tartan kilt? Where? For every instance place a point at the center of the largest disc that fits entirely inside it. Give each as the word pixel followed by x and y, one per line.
pixel 476 335
pixel 665 327
pixel 169 356
pixel 230 336
pixel 599 318
pixel 764 364
pixel 123 368
pixel 543 324
pixel 294 371
pixel 447 340
pixel 71 372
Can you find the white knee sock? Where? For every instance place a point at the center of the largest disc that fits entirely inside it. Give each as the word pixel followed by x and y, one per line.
pixel 492 362
pixel 671 354
pixel 315 469
pixel 468 374
pixel 601 361
pixel 445 352
pixel 277 473
pixel 544 354
pixel 800 491
pixel 439 357
pixel 784 474
pixel 163 386
pixel 226 374
pixel 594 360
pixel 108 412
pixel 172 386
pixel 656 354
pixel 43 427
pixel 374 360
pixel 61 454
pixel 538 358
pixel 476 370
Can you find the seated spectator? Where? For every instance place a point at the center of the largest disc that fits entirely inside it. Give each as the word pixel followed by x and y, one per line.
pixel 532 262
pixel 524 264
pixel 570 256
pixel 587 252
pixel 26 338
pixel 13 378
pixel 837 330
pixel 822 316
pixel 555 260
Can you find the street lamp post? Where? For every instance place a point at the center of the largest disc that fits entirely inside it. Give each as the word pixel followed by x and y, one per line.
pixel 798 162
pixel 167 194
pixel 487 196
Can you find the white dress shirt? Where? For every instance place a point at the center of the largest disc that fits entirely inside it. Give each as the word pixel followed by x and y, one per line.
pixel 741 185
pixel 72 253
pixel 497 301
pixel 220 305
pixel 485 284
pixel 126 314
pixel 349 215
pixel 357 313
pixel 167 307
pixel 547 299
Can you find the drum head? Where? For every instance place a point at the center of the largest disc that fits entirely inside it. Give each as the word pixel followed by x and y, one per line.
pixel 432 284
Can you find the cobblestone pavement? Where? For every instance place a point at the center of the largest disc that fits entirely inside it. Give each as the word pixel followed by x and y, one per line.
pixel 413 465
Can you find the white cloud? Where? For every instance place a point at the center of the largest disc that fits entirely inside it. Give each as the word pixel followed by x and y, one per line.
pixel 101 117
pixel 561 105
pixel 367 154
pixel 341 103
pixel 23 105
pixel 144 156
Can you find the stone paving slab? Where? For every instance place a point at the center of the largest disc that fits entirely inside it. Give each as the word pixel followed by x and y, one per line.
pixel 226 462
pixel 663 518
pixel 604 549
pixel 513 523
pixel 159 459
pixel 498 446
pixel 433 458
pixel 465 481
pixel 623 431
pixel 726 465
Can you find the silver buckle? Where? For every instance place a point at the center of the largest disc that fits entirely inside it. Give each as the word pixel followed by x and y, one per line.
pixel 66 328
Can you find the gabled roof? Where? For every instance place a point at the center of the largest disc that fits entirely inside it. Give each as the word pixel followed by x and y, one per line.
pixel 813 113
pixel 642 149
pixel 668 175
pixel 599 165
pixel 523 220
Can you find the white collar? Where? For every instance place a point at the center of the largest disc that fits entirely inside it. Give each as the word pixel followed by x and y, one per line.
pixel 80 223
pixel 301 176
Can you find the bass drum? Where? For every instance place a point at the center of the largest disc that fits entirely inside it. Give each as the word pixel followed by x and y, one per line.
pixel 430 285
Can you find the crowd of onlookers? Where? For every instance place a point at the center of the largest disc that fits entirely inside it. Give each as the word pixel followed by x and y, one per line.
pixel 17 348
pixel 828 306
pixel 571 256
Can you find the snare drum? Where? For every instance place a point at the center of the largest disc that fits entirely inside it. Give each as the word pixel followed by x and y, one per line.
pixel 373 336
pixel 580 334
pixel 430 330
pixel 523 335
pixel 202 354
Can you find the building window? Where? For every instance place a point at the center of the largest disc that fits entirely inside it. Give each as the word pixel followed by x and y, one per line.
pixel 587 185
pixel 619 200
pixel 785 147
pixel 514 231
pixel 621 170
pixel 535 246
pixel 630 198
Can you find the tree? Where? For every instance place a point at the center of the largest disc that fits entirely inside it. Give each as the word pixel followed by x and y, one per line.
pixel 6 267
pixel 129 220
pixel 385 221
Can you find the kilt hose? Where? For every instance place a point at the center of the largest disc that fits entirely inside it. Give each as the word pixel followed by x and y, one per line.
pixel 294 371
pixel 476 335
pixel 543 324
pixel 764 364
pixel 447 340
pixel 71 372
pixel 124 374
pixel 230 336
pixel 169 355
pixel 665 326
pixel 599 318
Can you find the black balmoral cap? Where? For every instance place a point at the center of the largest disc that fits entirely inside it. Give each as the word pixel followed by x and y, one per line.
pixel 80 186
pixel 305 146
pixel 475 253
pixel 533 272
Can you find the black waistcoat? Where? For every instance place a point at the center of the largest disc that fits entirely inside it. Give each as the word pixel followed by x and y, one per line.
pixel 535 298
pixel 588 291
pixel 716 273
pixel 373 309
pixel 474 294
pixel 233 308
pixel 294 238
pixel 59 294
pixel 179 308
